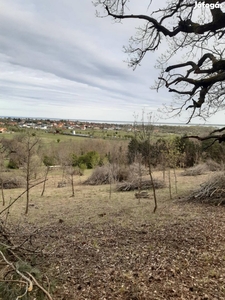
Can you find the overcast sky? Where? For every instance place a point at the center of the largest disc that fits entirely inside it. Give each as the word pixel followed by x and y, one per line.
pixel 58 60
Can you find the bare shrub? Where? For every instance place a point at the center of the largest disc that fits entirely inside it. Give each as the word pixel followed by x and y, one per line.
pixel 213 166
pixel 212 190
pixel 99 176
pixel 196 170
pixel 142 194
pixel 209 165
pixel 135 170
pixel 107 174
pixel 61 184
pixel 135 185
pixel 10 182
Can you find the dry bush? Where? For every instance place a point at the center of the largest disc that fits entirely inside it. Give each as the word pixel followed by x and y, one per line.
pixel 212 190
pixel 61 184
pixel 209 165
pixel 135 169
pixel 10 182
pixel 196 170
pixel 135 185
pixel 99 176
pixel 213 166
pixel 108 173
pixel 142 195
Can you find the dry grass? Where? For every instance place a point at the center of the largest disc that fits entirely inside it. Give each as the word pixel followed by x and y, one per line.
pixel 98 245
pixel 89 201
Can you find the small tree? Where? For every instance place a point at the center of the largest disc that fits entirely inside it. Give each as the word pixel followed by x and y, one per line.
pixel 3 152
pixel 71 171
pixel 143 148
pixel 45 179
pixel 162 150
pixel 172 156
pixel 48 158
pixel 23 151
pixel 149 158
pixel 139 160
pixel 30 162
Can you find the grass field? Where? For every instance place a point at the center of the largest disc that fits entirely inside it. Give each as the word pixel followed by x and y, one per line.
pixel 101 246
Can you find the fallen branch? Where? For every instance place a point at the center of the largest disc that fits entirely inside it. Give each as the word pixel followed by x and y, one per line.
pixel 29 283
pixel 40 287
pixel 135 185
pixel 211 191
pixel 26 280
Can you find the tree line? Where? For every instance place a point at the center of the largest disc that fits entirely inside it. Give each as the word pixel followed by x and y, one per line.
pixel 34 158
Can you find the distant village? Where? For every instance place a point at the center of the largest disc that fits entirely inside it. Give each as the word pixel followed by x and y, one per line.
pixel 58 126
pixel 94 129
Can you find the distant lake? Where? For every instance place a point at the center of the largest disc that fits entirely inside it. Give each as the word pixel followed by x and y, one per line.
pixel 117 122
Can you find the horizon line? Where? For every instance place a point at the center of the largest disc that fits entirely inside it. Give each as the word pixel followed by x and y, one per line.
pixel 114 122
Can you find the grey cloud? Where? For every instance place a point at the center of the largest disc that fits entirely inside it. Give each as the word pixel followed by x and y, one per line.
pixel 60 54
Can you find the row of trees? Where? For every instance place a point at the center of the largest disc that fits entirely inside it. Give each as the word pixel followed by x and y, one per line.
pixel 29 150
pixel 176 151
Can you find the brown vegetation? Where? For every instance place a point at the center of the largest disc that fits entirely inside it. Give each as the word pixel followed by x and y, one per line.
pixel 211 191
pixel 104 244
pixel 145 184
pixel 107 174
pixel 203 168
pixel 10 181
pixel 93 247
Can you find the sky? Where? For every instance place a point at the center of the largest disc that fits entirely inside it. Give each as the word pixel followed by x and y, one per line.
pixel 58 60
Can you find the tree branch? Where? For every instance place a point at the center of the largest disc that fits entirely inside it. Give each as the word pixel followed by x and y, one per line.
pixel 21 195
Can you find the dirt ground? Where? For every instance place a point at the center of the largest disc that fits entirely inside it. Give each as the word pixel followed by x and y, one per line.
pixel 93 246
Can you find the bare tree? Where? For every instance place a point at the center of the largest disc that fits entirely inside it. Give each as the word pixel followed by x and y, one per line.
pixel 145 152
pixel 23 153
pixel 191 29
pixel 46 178
pixel 172 157
pixel 71 172
pixel 147 132
pixel 3 151
pixel 30 161
pixel 66 157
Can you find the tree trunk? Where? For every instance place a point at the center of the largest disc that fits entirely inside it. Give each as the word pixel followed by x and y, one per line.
pixel 153 187
pixel 3 196
pixel 46 175
pixel 72 185
pixel 169 178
